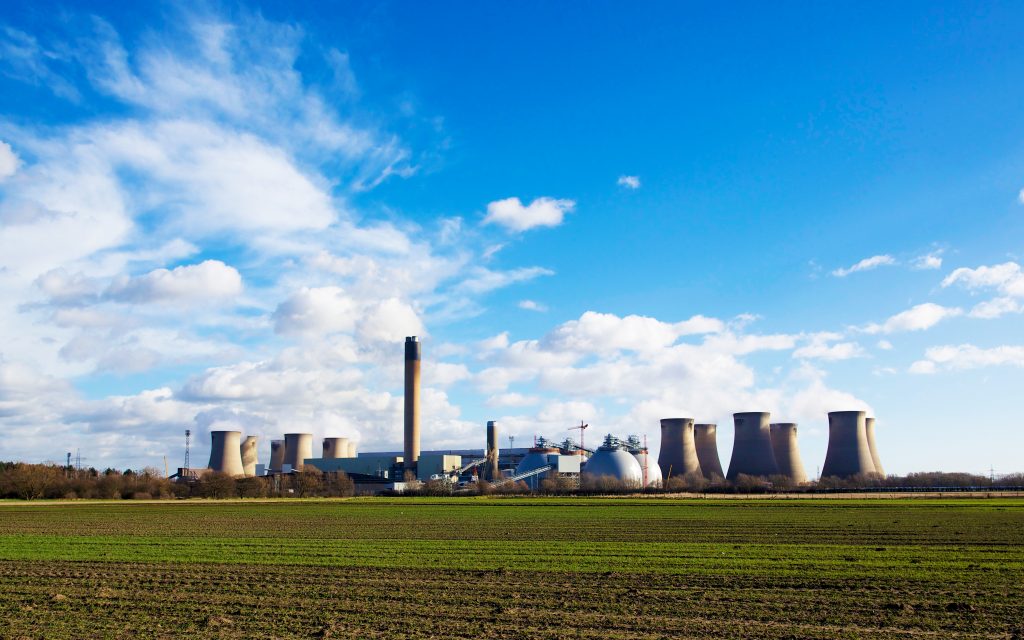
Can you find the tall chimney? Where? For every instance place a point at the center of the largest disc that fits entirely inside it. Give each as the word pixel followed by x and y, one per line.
pixel 412 401
pixel 492 450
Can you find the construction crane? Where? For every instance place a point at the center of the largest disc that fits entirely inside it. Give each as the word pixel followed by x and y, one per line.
pixel 582 428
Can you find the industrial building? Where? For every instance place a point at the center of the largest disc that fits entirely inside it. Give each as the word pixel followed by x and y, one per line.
pixel 760 449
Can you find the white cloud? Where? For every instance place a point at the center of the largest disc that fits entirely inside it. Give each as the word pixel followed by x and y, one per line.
pixel 928 261
pixel 530 305
pixel 207 280
pixel 629 182
pixel 1007 278
pixel 1020 196
pixel 603 332
pixel 9 161
pixel 884 345
pixel 968 356
pixel 866 265
pixel 824 346
pixel 542 212
pixel 316 310
pixel 483 280
pixel 918 318
pixel 512 400
pixel 995 308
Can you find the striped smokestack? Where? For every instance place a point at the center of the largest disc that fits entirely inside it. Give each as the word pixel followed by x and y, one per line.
pixel 412 401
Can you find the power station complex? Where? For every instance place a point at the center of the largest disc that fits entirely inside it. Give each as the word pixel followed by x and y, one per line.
pixel 761 449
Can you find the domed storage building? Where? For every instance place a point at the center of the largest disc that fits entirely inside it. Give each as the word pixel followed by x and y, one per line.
pixel 649 467
pixel 612 460
pixel 537 457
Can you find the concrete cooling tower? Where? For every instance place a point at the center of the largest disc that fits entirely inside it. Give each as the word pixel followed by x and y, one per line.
pixel 869 429
pixel 848 451
pixel 249 455
pixel 276 454
pixel 491 471
pixel 412 401
pixel 352 449
pixel 297 447
pixel 752 448
pixel 787 453
pixel 226 453
pixel 706 440
pixel 678 455
pixel 335 448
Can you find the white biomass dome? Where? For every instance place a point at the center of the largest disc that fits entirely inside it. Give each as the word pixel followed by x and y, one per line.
pixel 654 478
pixel 611 460
pixel 535 459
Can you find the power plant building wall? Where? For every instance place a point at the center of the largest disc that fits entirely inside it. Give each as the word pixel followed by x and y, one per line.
pixel 370 465
pixel 297 447
pixel 787 452
pixel 678 455
pixel 249 455
pixel 752 452
pixel 276 455
pixel 706 440
pixel 869 429
pixel 412 401
pixel 848 451
pixel 226 452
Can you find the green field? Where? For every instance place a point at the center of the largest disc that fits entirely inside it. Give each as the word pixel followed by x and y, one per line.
pixel 514 568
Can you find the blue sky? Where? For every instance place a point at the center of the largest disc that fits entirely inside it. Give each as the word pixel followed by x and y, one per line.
pixel 230 217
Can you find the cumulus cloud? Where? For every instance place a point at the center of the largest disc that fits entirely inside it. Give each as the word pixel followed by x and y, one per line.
pixel 928 261
pixel 1007 278
pixel 865 265
pixel 918 318
pixel 826 346
pixel 531 305
pixel 9 161
pixel 629 182
pixel 1020 196
pixel 317 310
pixel 968 356
pixel 995 308
pixel 203 281
pixel 542 212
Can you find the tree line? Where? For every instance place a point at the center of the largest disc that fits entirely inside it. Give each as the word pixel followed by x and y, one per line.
pixel 47 481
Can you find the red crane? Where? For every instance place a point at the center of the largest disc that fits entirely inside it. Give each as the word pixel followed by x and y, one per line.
pixel 582 428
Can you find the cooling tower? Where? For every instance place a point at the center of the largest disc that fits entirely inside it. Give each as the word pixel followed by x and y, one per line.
pixel 297 447
pixel 249 455
pixel 276 454
pixel 335 448
pixel 491 470
pixel 351 449
pixel 226 452
pixel 869 429
pixel 752 447
pixel 678 455
pixel 412 401
pixel 848 451
pixel 787 452
pixel 704 436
